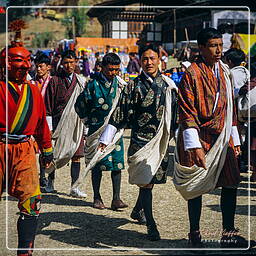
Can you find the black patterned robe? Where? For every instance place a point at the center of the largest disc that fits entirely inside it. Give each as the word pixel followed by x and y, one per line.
pixel 141 108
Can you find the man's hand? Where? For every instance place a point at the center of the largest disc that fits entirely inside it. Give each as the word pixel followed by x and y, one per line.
pixel 198 156
pixel 47 160
pixel 48 165
pixel 237 151
pixel 102 147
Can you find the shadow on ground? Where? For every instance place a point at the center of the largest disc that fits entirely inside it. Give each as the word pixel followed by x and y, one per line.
pixel 97 231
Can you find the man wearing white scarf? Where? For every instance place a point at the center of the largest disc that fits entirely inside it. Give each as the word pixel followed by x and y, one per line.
pixel 208 141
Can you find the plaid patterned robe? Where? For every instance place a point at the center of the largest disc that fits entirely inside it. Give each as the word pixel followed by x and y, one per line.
pixel 197 94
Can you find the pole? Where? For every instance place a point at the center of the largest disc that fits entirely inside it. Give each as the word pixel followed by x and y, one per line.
pixel 174 31
pixel 73 28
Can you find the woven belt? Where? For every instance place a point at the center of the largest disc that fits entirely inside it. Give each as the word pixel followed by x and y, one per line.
pixel 13 140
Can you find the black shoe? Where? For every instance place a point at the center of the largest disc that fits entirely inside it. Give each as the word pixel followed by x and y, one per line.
pixel 195 239
pixel 139 216
pixel 153 234
pixel 231 239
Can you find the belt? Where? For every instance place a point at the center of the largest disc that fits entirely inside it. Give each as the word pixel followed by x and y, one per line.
pixel 13 139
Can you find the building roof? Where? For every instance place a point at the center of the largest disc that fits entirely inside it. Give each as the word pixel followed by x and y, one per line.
pixel 159 5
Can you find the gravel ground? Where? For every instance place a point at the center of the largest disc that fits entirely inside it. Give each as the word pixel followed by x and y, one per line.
pixel 70 226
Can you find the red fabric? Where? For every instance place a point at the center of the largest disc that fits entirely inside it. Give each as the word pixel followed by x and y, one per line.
pixel 36 125
pixel 197 94
pixel 23 180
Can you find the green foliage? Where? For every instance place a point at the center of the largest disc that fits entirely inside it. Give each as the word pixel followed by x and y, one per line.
pixel 42 40
pixel 80 18
pixel 15 13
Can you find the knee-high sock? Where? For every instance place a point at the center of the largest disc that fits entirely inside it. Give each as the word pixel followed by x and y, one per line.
pixel 96 180
pixel 42 172
pixel 26 227
pixel 228 207
pixel 116 184
pixel 42 169
pixel 138 205
pixel 51 175
pixel 75 170
pixel 194 213
pixel 146 200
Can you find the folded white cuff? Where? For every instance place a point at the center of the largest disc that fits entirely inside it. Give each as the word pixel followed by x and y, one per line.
pixel 191 139
pixel 235 136
pixel 49 122
pixel 108 134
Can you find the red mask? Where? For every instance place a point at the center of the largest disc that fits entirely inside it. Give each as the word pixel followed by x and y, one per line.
pixel 19 63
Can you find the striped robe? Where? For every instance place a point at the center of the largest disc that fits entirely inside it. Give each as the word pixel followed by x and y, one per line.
pixel 197 94
pixel 26 113
pixel 26 116
pixel 58 92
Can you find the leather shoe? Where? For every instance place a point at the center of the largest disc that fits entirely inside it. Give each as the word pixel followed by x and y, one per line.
pixel 139 216
pixel 118 204
pixel 98 204
pixel 195 239
pixel 153 234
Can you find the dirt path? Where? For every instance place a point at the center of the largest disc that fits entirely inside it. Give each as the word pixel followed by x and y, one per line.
pixel 71 226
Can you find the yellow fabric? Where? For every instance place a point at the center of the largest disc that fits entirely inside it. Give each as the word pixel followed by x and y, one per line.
pixel 247 42
pixel 21 108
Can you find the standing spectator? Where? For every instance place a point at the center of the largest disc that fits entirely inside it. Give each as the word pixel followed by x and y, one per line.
pixel 146 107
pixel 163 58
pixel 60 98
pixel 133 65
pixel 93 106
pixel 243 91
pixel 235 58
pixel 56 64
pixel 85 64
pixel 207 120
pixel 43 76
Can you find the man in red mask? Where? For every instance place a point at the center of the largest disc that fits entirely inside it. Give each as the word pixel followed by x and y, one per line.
pixel 25 118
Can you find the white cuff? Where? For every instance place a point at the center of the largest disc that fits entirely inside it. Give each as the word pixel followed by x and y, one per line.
pixel 191 139
pixel 49 121
pixel 108 134
pixel 235 136
pixel 86 130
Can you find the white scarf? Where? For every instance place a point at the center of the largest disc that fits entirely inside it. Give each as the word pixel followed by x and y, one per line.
pixel 144 164
pixel 68 134
pixel 194 181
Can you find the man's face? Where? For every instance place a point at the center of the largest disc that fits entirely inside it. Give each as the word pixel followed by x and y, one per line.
pixel 42 69
pixel 69 65
pixel 149 62
pixel 110 71
pixel 212 51
pixel 19 63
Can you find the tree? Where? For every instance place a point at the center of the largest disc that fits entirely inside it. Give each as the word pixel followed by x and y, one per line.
pixel 42 40
pixel 15 13
pixel 80 17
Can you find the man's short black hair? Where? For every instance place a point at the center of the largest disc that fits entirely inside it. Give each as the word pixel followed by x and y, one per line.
pixel 42 58
pixel 69 54
pixel 236 56
pixel 207 33
pixel 111 59
pixel 146 47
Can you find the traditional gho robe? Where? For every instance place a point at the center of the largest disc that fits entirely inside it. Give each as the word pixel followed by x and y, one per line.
pixel 141 108
pixel 58 93
pixel 93 106
pixel 26 117
pixel 203 106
